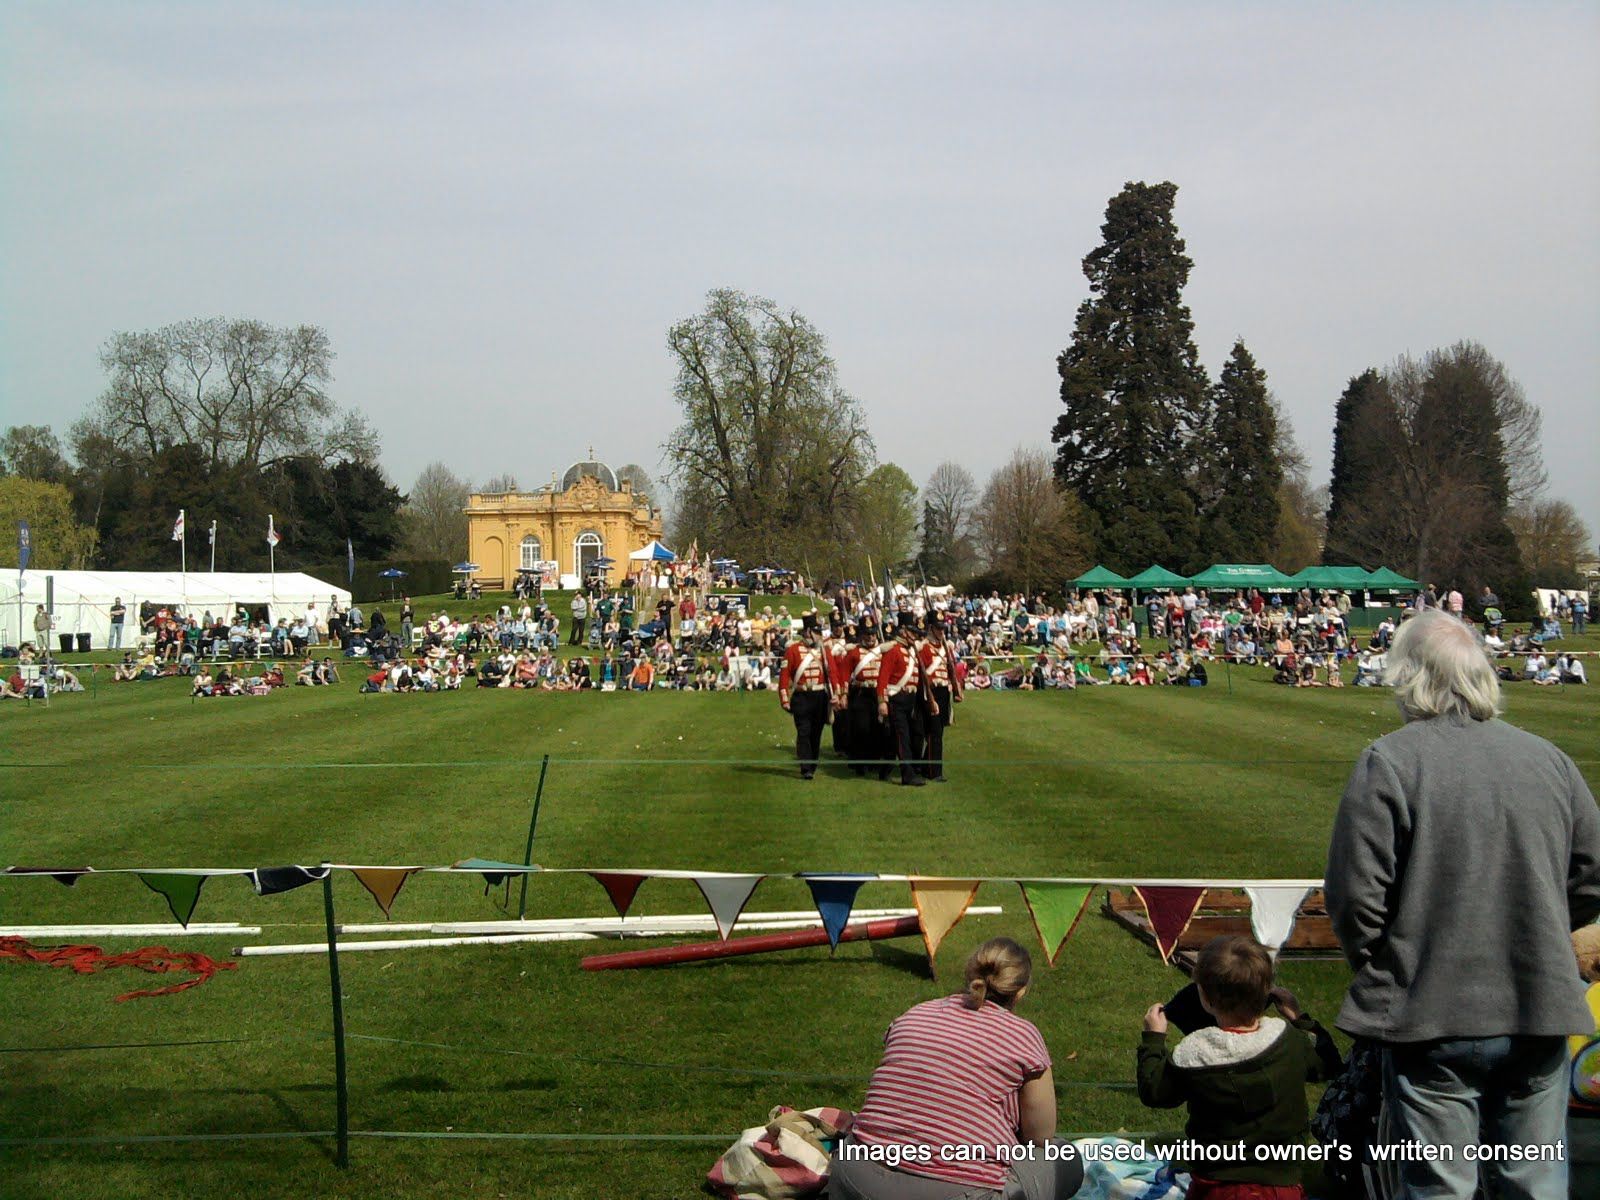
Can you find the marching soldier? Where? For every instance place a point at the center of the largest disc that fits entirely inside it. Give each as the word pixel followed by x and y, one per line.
pixel 838 651
pixel 899 685
pixel 942 689
pixel 870 743
pixel 805 692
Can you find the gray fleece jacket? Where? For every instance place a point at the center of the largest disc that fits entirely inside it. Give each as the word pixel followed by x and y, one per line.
pixel 1464 854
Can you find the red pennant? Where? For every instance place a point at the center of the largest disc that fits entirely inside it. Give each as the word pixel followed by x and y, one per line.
pixel 620 886
pixel 1170 910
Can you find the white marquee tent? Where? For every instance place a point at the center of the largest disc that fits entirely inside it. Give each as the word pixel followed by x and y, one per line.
pixel 83 599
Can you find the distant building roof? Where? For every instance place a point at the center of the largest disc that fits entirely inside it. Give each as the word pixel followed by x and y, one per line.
pixel 593 470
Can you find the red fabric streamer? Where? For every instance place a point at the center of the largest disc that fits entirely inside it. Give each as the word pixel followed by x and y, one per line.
pixel 86 960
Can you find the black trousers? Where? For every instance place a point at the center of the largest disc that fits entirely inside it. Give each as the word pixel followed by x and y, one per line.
pixel 841 734
pixel 905 719
pixel 871 744
pixel 577 631
pixel 810 713
pixel 934 729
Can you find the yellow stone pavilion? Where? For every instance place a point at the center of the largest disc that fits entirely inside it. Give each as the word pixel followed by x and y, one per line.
pixel 588 515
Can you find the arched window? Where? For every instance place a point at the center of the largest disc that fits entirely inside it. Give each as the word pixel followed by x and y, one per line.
pixel 587 547
pixel 532 552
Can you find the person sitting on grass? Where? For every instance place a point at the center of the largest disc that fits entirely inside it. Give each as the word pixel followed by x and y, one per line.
pixel 204 684
pixel 963 1103
pixel 643 675
pixel 1244 1078
pixel 306 676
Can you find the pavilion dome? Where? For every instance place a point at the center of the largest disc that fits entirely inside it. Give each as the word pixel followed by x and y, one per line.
pixel 593 470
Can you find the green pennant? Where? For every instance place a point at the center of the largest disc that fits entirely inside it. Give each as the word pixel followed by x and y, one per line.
pixel 182 893
pixel 1055 909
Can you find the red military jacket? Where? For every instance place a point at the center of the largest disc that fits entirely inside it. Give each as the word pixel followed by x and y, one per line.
pixel 898 671
pixel 861 666
pixel 839 666
pixel 939 664
pixel 804 670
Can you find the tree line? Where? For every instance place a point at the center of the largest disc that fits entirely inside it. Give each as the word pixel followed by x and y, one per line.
pixel 1436 471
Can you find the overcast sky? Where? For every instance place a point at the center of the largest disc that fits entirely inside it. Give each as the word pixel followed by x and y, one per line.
pixel 496 211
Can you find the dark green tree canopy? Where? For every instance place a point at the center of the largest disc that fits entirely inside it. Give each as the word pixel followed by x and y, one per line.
pixel 1241 471
pixel 1133 389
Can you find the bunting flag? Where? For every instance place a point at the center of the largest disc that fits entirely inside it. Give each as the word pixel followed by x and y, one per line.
pixel 177 527
pixel 494 873
pixel 182 892
pixel 1272 913
pixel 727 895
pixel 1056 909
pixel 941 903
pixel 384 883
pixel 1170 910
pixel 835 896
pixel 621 886
pixel 273 881
pixel 65 876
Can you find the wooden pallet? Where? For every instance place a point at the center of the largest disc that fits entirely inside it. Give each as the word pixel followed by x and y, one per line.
pixel 1227 912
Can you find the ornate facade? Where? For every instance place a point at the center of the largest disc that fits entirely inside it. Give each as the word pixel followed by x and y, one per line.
pixel 588 515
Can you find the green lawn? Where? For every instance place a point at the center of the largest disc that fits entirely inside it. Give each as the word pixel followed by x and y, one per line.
pixel 1107 781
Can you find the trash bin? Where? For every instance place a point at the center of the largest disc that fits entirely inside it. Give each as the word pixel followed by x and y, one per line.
pixel 66 642
pixel 84 642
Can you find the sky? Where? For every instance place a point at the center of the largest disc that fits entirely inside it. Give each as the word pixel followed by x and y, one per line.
pixel 497 210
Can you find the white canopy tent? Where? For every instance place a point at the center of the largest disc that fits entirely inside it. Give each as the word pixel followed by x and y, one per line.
pixel 83 599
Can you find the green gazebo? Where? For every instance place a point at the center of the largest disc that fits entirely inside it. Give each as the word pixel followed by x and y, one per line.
pixel 1157 576
pixel 1385 580
pixel 1100 577
pixel 1239 576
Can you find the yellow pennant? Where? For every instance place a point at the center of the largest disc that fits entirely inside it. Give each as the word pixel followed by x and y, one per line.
pixel 941 903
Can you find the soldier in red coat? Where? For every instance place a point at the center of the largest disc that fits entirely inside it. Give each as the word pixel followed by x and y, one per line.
pixel 941 690
pixel 870 742
pixel 805 691
pixel 899 703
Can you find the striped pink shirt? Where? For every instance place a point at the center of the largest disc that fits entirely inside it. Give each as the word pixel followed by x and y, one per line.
pixel 947 1088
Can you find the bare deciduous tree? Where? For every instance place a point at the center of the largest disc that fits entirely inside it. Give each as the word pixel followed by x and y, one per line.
pixel 434 518
pixel 1034 532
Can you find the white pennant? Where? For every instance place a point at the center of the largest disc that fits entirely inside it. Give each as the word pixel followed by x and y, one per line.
pixel 727 895
pixel 1272 913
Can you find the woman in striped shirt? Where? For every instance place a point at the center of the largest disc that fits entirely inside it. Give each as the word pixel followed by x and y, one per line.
pixel 963 1105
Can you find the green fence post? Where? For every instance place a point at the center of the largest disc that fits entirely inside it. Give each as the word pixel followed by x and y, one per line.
pixel 533 824
pixel 341 1080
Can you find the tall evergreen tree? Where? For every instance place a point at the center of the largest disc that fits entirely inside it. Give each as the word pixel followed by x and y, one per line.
pixel 1242 473
pixel 1134 391
pixel 1357 462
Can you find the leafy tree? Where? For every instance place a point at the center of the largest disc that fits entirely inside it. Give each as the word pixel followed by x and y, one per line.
pixel 1554 540
pixel 434 519
pixel 948 500
pixel 33 452
pixel 58 541
pixel 1439 510
pixel 245 393
pixel 886 518
pixel 1241 474
pixel 771 450
pixel 1133 388
pixel 1034 531
pixel 1362 430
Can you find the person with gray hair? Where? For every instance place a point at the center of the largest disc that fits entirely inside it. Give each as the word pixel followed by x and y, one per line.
pixel 1464 853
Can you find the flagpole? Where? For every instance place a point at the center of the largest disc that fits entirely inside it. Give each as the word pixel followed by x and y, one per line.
pixel 272 557
pixel 213 547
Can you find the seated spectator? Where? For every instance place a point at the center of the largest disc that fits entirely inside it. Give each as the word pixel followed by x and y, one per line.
pixel 1570 668
pixel 1243 1077
pixel 643 676
pixel 960 1071
pixel 204 684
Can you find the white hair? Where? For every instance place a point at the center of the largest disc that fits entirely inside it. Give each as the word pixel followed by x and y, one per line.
pixel 1438 669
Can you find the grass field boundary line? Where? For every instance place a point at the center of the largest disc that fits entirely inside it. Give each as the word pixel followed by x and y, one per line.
pixel 137 1139
pixel 130 1045
pixel 765 1073
pixel 457 764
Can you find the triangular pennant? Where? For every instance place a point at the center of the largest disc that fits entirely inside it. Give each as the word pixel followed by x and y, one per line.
pixel 1056 909
pixel 1272 913
pixel 727 895
pixel 65 876
pixel 620 886
pixel 941 903
pixel 274 881
pixel 181 891
pixel 1170 910
pixel 384 882
pixel 834 896
pixel 493 872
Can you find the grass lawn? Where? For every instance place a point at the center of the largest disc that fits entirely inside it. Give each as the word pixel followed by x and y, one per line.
pixel 1111 781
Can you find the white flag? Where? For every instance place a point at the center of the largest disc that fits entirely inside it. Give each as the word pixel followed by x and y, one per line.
pixel 177 527
pixel 213 537
pixel 1272 914
pixel 272 534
